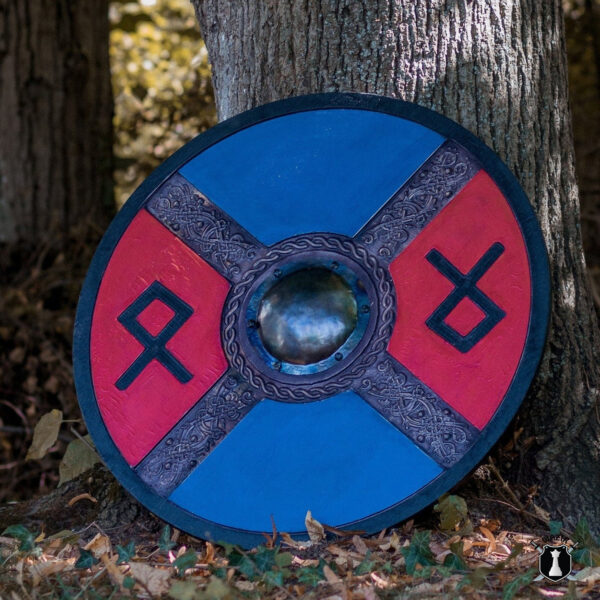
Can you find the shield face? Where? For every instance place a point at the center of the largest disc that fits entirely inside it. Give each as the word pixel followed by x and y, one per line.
pixel 555 562
pixel 332 303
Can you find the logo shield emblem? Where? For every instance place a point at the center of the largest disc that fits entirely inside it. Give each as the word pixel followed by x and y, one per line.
pixel 555 562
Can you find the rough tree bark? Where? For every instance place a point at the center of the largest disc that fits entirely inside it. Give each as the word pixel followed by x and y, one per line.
pixel 55 115
pixel 498 68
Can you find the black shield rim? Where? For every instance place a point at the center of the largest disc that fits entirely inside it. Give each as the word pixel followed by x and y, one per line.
pixel 532 352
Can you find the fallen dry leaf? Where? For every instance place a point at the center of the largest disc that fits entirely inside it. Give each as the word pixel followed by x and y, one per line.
pixel 41 537
pixel 19 569
pixel 360 545
pixel 502 549
pixel 45 434
pixel 113 571
pixel 369 594
pixel 305 562
pixel 209 554
pixel 588 575
pixel 330 576
pixel 540 512
pixel 41 570
pixel 10 542
pixel 286 538
pixel 380 582
pixel 427 589
pixel 490 537
pixel 156 581
pixel 98 545
pixel 315 530
pixel 491 524
pixel 392 543
pixel 335 549
pixel 245 586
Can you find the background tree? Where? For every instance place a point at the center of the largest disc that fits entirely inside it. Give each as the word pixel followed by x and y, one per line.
pixel 499 69
pixel 55 94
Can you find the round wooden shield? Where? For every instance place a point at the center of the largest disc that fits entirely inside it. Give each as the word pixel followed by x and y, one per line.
pixel 332 303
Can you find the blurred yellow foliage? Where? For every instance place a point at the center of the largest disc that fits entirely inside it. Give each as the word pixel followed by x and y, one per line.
pixel 161 84
pixel 582 19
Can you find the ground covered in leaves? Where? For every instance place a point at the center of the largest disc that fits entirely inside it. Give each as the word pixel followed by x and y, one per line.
pixel 461 555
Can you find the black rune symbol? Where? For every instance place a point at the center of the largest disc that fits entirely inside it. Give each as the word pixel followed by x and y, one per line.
pixel 466 287
pixel 154 345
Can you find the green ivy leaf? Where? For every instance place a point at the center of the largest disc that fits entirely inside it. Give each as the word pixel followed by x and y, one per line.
pixel 283 559
pixel 426 572
pixel 220 572
pixel 242 563
pixel 582 556
pixel 128 582
pixel 418 553
pixel 518 583
pixel 453 511
pixel 21 533
pixel 216 589
pixel 125 554
pixel 555 527
pixel 78 458
pixel 183 590
pixel 588 557
pixel 476 579
pixel 86 560
pixel 273 579
pixel 517 549
pixel 164 541
pixel 366 566
pixel 455 562
pixel 312 575
pixel 186 561
pixel 583 536
pixel 442 570
pixel 588 553
pixel 264 559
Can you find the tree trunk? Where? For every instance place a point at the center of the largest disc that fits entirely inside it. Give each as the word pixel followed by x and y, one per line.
pixel 499 69
pixel 55 115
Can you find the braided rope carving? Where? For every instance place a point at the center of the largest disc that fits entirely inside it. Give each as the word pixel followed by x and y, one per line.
pixel 277 389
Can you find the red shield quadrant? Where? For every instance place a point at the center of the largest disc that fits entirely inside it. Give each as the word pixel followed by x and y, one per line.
pixel 475 382
pixel 139 416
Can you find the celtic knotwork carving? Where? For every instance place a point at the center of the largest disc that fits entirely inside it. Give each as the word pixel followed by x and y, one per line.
pixel 415 204
pixel 204 227
pixel 418 412
pixel 273 387
pixel 197 433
